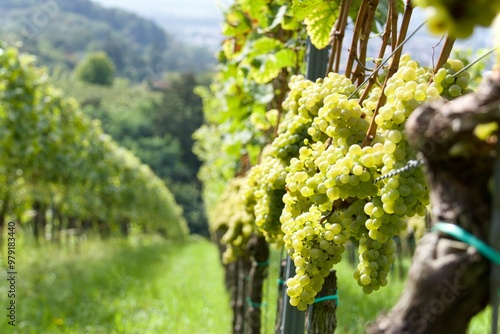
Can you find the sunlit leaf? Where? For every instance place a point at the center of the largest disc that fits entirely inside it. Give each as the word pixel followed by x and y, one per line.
pixel 320 22
pixel 304 8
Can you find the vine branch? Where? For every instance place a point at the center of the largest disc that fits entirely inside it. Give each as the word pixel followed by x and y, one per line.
pixel 370 134
pixel 385 41
pixel 359 73
pixel 445 52
pixel 338 34
pixel 355 37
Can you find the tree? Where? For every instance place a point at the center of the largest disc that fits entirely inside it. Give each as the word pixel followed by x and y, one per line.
pixel 97 68
pixel 178 114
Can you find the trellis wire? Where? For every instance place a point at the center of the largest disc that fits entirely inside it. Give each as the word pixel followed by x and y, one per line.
pixel 409 165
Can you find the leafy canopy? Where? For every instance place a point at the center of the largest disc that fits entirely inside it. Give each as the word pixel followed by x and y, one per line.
pixel 97 68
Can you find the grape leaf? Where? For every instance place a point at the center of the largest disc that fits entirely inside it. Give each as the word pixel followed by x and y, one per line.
pixel 279 16
pixel 304 8
pixel 265 58
pixel 257 10
pixel 320 21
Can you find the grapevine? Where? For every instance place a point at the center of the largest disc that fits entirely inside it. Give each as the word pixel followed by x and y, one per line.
pixel 65 159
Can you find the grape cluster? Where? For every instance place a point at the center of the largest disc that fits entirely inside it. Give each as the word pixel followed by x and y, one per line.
pixel 331 194
pixel 233 216
pixel 459 17
pixel 266 183
pixel 267 179
pixel 449 83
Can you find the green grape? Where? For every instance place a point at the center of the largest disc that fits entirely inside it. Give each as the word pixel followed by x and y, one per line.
pixel 457 17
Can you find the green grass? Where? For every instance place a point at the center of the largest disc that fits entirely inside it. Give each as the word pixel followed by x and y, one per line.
pixel 118 286
pixel 149 285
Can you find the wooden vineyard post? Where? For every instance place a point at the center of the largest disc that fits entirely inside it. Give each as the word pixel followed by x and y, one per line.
pixel 279 306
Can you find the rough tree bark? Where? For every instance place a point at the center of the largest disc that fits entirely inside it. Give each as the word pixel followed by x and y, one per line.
pixel 323 318
pixel 39 220
pixel 259 250
pixel 235 279
pixel 448 280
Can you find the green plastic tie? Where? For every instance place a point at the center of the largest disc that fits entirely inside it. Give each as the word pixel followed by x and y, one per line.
pixel 253 304
pixel 331 297
pixel 462 235
pixel 280 281
pixel 262 264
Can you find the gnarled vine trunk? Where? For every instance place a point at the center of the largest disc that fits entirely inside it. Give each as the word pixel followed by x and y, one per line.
pixel 448 281
pixel 259 250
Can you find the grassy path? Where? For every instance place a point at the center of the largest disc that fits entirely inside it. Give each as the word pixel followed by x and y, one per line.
pixel 118 286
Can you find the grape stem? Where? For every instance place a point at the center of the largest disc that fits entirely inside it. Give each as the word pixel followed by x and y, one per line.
pixel 394 24
pixel 445 52
pixel 354 43
pixel 338 34
pixel 338 204
pixel 370 134
pixel 363 65
pixel 385 41
pixel 359 72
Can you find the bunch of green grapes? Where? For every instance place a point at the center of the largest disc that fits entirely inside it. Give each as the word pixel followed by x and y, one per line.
pixel 338 190
pixel 234 216
pixel 328 186
pixel 293 128
pixel 266 180
pixel 266 183
pixel 459 17
pixel 302 106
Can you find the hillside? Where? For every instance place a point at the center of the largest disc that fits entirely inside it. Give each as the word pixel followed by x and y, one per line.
pixel 196 21
pixel 61 32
